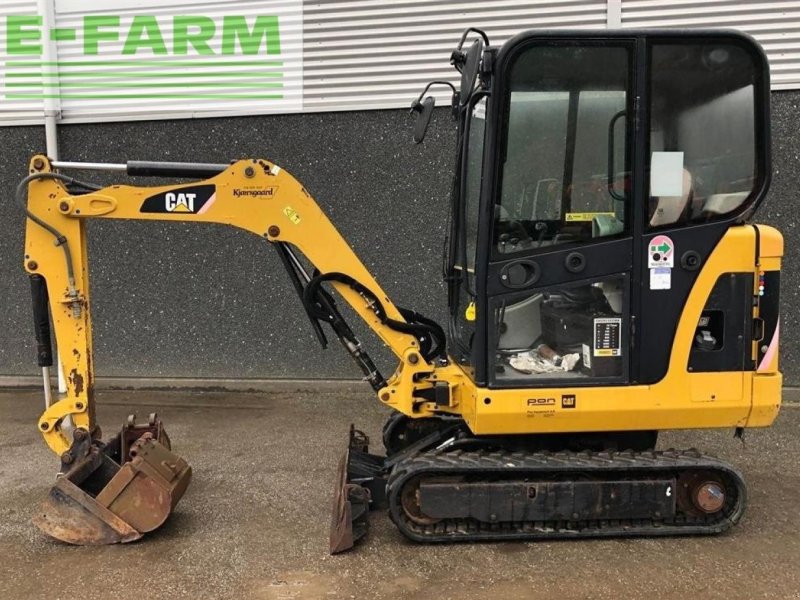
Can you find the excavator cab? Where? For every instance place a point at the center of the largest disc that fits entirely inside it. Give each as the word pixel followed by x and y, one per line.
pixel 597 173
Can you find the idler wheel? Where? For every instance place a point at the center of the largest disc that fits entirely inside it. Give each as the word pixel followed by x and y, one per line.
pixel 701 493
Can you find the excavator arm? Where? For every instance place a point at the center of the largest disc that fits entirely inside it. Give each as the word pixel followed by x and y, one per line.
pixel 254 195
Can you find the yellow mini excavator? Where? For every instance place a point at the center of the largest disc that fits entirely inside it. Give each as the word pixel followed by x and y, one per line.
pixel 605 282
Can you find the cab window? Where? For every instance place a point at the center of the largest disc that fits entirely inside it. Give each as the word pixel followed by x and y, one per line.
pixel 702 160
pixel 566 158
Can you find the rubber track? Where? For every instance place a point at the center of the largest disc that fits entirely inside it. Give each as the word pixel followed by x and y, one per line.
pixel 478 465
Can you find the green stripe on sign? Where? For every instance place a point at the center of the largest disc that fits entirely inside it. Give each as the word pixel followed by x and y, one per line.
pixel 17 96
pixel 105 86
pixel 145 63
pixel 63 35
pixel 150 74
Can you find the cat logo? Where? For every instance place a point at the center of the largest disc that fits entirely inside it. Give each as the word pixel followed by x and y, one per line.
pixel 179 202
pixel 568 401
pixel 189 200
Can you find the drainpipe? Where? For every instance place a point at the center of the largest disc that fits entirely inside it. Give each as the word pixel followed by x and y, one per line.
pixel 614 14
pixel 52 112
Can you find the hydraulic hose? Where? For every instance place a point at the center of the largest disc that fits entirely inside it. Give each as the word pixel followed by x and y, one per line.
pixel 60 240
pixel 425 330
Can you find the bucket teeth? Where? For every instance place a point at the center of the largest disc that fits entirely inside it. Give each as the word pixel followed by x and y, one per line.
pixel 99 501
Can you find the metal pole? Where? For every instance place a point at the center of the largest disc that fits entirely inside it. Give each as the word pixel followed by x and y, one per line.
pixel 52 111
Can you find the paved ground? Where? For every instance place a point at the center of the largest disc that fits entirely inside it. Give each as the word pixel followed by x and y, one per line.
pixel 254 523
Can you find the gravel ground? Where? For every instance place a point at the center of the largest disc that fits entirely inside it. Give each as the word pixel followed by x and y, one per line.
pixel 254 522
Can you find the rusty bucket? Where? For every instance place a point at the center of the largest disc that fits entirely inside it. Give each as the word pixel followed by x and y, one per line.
pixel 115 492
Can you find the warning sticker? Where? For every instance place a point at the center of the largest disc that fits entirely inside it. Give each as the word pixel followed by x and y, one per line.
pixel 660 278
pixel 660 252
pixel 586 216
pixel 292 215
pixel 608 336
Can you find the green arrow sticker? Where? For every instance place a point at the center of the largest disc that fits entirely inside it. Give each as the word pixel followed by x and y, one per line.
pixel 661 252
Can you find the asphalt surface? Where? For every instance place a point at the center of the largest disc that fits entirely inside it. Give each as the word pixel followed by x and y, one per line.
pixel 254 522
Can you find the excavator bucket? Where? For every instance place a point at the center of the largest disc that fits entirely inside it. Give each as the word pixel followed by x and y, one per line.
pixel 360 486
pixel 115 492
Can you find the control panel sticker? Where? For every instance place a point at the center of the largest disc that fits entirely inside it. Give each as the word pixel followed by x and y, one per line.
pixel 608 336
pixel 661 252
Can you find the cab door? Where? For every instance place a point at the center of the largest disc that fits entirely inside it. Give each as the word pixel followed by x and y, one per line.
pixel 558 242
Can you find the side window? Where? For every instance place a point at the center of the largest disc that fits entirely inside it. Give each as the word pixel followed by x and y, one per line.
pixel 566 166
pixel 702 131
pixel 472 191
pixel 467 230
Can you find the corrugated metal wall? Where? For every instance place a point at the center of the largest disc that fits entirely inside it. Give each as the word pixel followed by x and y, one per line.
pixel 375 54
pixel 356 54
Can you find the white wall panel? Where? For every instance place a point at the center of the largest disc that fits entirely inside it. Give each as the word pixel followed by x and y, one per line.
pixel 348 54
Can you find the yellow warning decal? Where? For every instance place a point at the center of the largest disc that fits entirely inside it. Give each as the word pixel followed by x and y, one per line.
pixel 292 214
pixel 587 216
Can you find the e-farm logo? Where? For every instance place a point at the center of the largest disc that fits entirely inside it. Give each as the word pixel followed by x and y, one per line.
pixel 144 56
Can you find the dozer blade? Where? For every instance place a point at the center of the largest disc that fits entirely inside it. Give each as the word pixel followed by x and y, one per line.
pixel 99 501
pixel 359 487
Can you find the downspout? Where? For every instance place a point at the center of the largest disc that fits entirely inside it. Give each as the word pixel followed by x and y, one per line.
pixel 52 112
pixel 613 14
